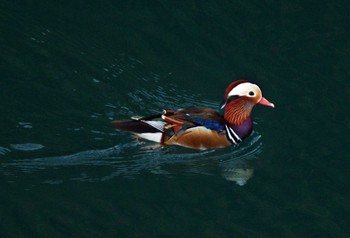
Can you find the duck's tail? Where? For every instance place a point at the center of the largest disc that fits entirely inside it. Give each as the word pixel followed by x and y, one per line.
pixel 145 127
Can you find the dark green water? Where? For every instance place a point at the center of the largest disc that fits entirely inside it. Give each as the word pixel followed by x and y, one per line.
pixel 68 69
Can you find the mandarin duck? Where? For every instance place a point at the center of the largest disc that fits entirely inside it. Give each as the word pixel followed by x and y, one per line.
pixel 202 128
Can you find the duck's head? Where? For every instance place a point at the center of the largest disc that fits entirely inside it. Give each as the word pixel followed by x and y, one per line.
pixel 239 99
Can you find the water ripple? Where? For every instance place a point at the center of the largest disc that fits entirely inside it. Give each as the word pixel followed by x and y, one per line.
pixel 4 150
pixel 131 159
pixel 27 146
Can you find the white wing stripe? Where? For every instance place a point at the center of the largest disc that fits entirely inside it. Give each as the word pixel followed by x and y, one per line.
pixel 229 135
pixel 233 137
pixel 159 125
pixel 234 134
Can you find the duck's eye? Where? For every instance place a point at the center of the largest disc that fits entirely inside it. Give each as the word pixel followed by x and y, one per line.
pixel 251 93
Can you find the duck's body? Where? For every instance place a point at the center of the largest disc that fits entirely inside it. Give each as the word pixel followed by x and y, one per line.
pixel 202 128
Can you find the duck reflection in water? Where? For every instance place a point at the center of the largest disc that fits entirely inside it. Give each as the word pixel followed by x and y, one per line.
pixel 238 172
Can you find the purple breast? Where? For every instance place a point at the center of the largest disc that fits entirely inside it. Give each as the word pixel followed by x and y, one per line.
pixel 244 129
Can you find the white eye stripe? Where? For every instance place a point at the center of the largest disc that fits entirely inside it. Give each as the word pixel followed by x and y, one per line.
pixel 244 89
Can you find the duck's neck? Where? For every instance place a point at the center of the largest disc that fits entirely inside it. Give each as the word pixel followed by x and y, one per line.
pixel 237 112
pixel 237 116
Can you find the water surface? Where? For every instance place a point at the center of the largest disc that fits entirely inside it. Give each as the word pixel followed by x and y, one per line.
pixel 69 69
